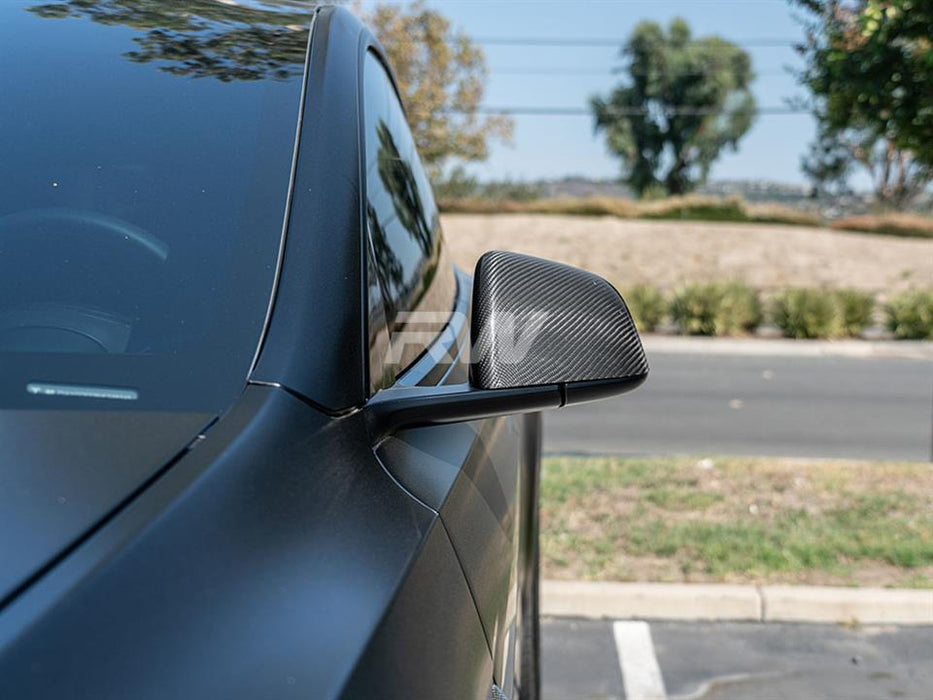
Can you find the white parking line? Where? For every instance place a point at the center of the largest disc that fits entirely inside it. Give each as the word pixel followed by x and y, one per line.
pixel 641 675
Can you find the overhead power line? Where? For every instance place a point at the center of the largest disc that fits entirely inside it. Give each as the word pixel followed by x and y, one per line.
pixel 627 112
pixel 607 71
pixel 580 2
pixel 604 42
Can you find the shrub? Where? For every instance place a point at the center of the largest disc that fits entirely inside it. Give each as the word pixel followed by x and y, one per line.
pixel 906 225
pixel 583 206
pixel 511 190
pixel 471 205
pixel 570 206
pixel 910 315
pixel 695 309
pixel 856 311
pixel 780 214
pixel 647 306
pixel 805 313
pixel 462 196
pixel 739 310
pixel 695 208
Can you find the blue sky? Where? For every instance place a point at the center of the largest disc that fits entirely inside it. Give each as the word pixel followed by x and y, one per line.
pixel 554 146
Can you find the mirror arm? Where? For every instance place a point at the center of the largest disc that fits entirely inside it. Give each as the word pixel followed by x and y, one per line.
pixel 408 407
pixel 582 392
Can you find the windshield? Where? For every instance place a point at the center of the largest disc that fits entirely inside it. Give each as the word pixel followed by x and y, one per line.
pixel 145 155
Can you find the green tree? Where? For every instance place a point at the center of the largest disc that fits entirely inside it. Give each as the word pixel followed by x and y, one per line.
pixel 684 100
pixel 828 164
pixel 898 178
pixel 441 75
pixel 869 65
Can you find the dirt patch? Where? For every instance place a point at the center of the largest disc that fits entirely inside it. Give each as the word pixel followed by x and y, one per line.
pixel 669 253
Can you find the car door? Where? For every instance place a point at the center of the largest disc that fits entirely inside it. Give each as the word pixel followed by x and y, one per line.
pixel 471 474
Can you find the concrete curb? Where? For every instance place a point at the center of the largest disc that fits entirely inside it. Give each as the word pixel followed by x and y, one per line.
pixel 783 347
pixel 868 605
pixel 720 602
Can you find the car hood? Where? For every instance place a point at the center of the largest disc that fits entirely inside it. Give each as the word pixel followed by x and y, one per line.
pixel 64 471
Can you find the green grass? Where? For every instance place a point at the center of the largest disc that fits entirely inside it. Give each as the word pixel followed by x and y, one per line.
pixel 743 520
pixel 680 498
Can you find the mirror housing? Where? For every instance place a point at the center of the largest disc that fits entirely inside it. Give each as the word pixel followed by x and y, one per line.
pixel 543 335
pixel 538 322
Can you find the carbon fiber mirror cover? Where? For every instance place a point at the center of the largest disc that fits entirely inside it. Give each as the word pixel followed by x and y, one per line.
pixel 538 322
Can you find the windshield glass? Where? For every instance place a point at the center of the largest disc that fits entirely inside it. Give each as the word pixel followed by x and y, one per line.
pixel 145 155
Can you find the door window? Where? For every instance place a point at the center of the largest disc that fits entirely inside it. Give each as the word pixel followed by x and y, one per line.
pixel 404 236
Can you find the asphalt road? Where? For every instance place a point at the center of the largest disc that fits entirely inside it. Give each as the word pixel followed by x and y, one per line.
pixel 733 661
pixel 843 407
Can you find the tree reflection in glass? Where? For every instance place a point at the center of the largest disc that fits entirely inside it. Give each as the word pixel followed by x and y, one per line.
pixel 205 38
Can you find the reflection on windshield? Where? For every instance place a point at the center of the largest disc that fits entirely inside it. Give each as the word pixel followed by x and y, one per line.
pixel 204 38
pixel 85 392
pixel 140 213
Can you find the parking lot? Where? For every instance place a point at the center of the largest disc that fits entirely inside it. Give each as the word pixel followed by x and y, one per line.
pixel 734 661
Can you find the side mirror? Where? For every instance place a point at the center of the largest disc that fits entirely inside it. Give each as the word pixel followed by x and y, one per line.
pixel 538 322
pixel 543 334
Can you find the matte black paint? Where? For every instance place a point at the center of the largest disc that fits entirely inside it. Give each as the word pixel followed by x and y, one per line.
pixel 278 557
pixel 65 470
pixel 316 344
pixel 259 566
pixel 394 665
pixel 472 474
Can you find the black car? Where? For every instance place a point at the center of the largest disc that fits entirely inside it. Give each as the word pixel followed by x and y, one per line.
pixel 260 438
